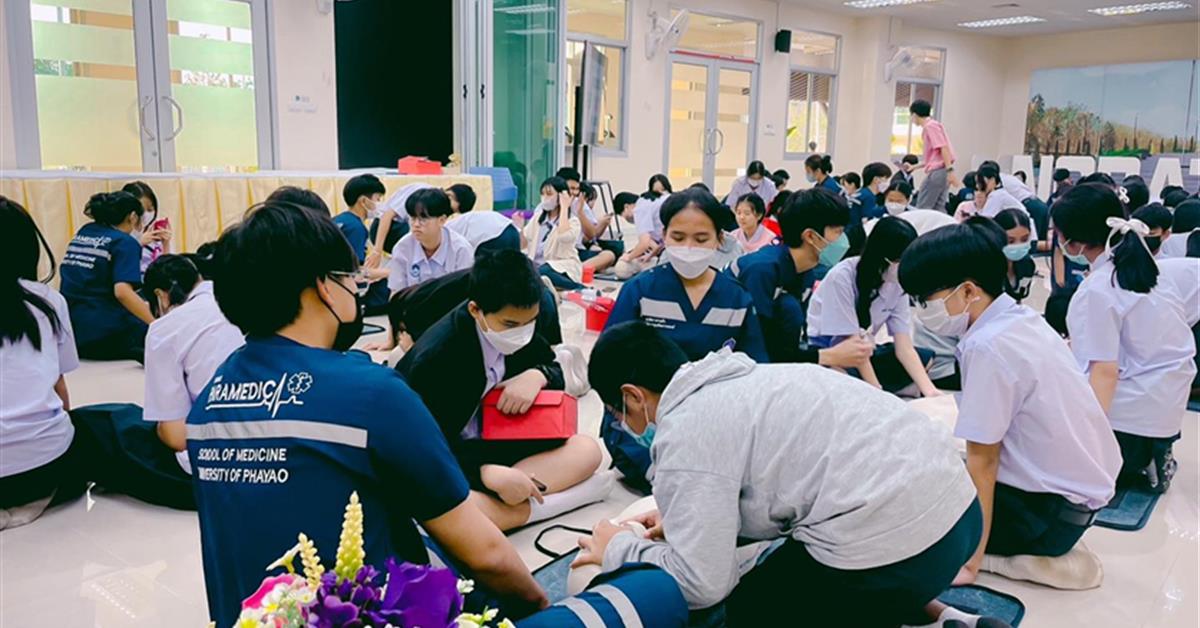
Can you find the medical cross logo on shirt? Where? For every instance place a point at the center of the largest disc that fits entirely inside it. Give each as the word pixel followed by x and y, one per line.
pixel 268 393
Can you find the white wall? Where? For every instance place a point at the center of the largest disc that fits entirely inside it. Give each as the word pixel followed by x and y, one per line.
pixel 862 126
pixel 1162 42
pixel 302 42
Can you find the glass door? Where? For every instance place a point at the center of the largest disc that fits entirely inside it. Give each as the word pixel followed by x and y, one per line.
pixel 710 121
pixel 472 61
pixel 140 85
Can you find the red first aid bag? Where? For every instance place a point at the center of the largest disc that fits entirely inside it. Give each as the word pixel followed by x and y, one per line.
pixel 553 415
pixel 418 165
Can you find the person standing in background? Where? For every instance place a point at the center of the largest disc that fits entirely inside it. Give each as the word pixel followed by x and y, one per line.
pixel 939 156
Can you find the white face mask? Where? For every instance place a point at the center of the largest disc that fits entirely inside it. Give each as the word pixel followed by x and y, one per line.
pixel 938 320
pixel 895 209
pixel 881 187
pixel 509 341
pixel 375 209
pixel 690 261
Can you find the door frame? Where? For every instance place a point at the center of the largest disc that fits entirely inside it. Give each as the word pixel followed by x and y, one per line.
pixel 472 22
pixel 713 65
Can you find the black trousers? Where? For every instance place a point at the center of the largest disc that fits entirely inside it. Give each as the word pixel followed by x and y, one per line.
pixel 1029 523
pixel 1137 452
pixel 826 596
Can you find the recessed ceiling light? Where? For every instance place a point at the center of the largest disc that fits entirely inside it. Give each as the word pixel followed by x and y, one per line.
pixel 1134 9
pixel 1002 21
pixel 877 4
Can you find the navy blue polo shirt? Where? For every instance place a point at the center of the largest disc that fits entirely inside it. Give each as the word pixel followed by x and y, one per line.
pixel 355 231
pixel 98 258
pixel 280 438
pixel 867 207
pixel 769 273
pixel 725 315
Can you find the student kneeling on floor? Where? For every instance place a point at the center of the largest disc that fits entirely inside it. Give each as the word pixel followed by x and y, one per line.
pixel 1039 447
pixel 488 342
pixel 875 505
pixel 290 426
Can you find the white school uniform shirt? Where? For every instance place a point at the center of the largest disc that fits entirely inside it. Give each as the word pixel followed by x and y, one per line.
pixel 1001 199
pixel 1148 338
pixel 395 203
pixel 35 429
pixel 1174 246
pixel 922 220
pixel 831 311
pixel 479 227
pixel 1022 388
pixel 493 373
pixel 183 350
pixel 1018 190
pixel 647 219
pixel 409 266
pixel 1181 277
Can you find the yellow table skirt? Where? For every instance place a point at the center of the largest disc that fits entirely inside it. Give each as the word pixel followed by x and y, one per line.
pixel 199 206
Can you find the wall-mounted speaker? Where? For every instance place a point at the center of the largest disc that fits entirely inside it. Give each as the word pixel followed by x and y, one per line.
pixel 783 41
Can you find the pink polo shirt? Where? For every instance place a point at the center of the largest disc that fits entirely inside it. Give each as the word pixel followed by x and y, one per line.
pixel 934 137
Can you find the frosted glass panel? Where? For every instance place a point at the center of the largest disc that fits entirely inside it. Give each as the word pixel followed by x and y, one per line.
pixel 87 98
pixel 689 140
pixel 212 79
pixel 733 126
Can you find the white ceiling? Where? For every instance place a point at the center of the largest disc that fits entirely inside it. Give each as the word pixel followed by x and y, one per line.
pixel 1060 15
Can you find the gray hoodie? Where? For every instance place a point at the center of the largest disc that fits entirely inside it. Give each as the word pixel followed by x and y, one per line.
pixel 790 450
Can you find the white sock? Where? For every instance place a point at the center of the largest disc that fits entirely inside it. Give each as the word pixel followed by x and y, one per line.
pixel 590 491
pixel 954 613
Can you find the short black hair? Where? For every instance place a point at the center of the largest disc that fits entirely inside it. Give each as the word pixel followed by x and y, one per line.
pixel 1156 216
pixel 502 278
pixel 1061 174
pixel 306 199
pixel 756 204
pixel 174 274
pixel 1020 174
pixel 623 199
pixel 567 173
pixel 587 191
pixel 1099 177
pixel 464 195
pixel 814 208
pixel 875 170
pixel 820 163
pixel 757 168
pixel 293 246
pixel 428 203
pixel 947 256
pixel 853 179
pixel 920 108
pixel 1187 216
pixel 968 180
pixel 610 366
pixel 1173 195
pixel 782 174
pixel 910 159
pixel 112 208
pixel 699 199
pixel 903 187
pixel 360 186
pixel 700 185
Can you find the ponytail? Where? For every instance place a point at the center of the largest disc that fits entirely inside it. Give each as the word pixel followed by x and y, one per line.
pixel 886 244
pixel 1136 270
pixel 822 163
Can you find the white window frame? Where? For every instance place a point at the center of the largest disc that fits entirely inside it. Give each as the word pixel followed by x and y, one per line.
pixel 622 149
pixel 833 96
pixel 939 85
pixel 148 15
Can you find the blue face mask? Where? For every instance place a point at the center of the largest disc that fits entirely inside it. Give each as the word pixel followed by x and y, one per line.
pixel 812 178
pixel 1080 259
pixel 1017 252
pixel 646 438
pixel 834 251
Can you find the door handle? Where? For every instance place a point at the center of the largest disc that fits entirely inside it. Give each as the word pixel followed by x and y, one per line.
pixel 142 118
pixel 179 112
pixel 721 134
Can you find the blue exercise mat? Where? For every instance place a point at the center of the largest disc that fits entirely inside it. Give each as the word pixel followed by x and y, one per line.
pixel 985 602
pixel 1194 405
pixel 1129 509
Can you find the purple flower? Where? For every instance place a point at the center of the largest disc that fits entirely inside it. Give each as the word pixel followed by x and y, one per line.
pixel 427 596
pixel 338 613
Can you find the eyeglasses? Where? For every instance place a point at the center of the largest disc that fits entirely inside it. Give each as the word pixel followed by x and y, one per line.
pixel 362 282
pixel 422 220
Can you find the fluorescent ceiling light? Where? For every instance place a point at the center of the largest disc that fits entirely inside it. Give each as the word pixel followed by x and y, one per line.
pixel 877 4
pixel 1002 21
pixel 1134 9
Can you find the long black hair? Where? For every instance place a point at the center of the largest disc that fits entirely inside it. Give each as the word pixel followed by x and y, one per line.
pixel 559 185
pixel 21 243
pixel 819 163
pixel 886 244
pixel 1081 215
pixel 757 168
pixel 659 178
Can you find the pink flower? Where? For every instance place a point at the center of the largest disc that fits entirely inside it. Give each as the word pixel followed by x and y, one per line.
pixel 268 585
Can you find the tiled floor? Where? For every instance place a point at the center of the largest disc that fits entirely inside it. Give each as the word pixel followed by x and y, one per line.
pixel 116 562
